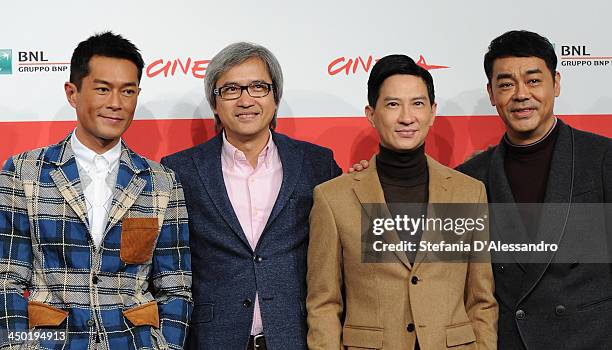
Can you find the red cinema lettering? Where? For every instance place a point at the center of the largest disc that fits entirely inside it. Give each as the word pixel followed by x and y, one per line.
pixel 366 67
pixel 421 62
pixel 184 68
pixel 153 70
pixel 359 63
pixel 332 70
pixel 177 66
pixel 351 65
pixel 199 66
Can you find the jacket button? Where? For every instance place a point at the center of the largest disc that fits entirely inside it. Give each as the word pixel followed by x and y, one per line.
pixel 560 310
pixel 410 327
pixel 257 258
pixel 247 303
pixel 500 268
pixel 94 279
pixel 520 315
pixel 414 280
pixel 90 323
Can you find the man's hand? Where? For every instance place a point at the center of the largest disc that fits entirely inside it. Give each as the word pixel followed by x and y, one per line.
pixel 362 165
pixel 477 152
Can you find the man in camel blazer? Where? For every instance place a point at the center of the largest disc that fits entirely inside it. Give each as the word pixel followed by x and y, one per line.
pixel 397 305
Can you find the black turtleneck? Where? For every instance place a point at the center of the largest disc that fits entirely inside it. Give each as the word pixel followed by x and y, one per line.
pixel 403 175
pixel 527 168
pixel 405 179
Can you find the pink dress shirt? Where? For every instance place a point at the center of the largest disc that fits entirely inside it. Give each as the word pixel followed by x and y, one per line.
pixel 252 193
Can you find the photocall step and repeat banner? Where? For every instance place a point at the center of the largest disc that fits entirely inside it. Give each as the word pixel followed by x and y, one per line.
pixel 326 49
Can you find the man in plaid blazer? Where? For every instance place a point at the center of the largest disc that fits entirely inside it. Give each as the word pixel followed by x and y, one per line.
pixel 95 233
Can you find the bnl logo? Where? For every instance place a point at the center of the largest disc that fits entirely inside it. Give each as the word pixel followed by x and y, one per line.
pixel 6 61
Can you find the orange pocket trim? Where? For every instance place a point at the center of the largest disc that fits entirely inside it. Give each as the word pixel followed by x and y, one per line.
pixel 136 223
pixel 138 237
pixel 43 315
pixel 145 314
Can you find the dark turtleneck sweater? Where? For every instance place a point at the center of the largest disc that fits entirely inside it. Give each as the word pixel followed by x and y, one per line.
pixel 405 179
pixel 527 168
pixel 403 175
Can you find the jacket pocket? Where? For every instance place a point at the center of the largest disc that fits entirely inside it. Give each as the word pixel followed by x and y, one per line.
pixel 43 315
pixel 362 337
pixel 158 340
pixel 138 237
pixel 594 304
pixel 145 314
pixel 460 334
pixel 203 313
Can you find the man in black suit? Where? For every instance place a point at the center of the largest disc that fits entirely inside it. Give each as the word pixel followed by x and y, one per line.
pixel 561 302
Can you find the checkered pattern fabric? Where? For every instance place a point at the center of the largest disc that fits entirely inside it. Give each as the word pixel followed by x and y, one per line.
pixel 46 248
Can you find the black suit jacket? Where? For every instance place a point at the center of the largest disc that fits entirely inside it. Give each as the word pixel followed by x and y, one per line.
pixel 560 302
pixel 226 271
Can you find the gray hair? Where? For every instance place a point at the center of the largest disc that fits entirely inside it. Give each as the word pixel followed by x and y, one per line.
pixel 233 55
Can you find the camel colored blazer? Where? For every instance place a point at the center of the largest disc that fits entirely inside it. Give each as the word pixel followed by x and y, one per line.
pixel 356 305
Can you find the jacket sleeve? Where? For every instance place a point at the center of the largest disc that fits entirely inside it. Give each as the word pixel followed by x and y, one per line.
pixel 171 273
pixel 15 255
pixel 335 169
pixel 324 277
pixel 607 172
pixel 480 303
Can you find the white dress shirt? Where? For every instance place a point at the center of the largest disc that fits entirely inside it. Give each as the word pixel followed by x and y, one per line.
pixel 99 192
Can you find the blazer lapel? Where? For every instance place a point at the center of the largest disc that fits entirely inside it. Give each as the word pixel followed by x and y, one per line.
pixel 551 227
pixel 369 191
pixel 207 160
pixel 505 217
pixel 438 187
pixel 439 178
pixel 128 186
pixel 291 159
pixel 66 178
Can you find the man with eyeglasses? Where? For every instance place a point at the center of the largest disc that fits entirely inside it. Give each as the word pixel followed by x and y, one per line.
pixel 249 193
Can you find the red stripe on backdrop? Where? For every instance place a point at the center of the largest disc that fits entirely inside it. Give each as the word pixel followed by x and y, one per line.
pixel 450 141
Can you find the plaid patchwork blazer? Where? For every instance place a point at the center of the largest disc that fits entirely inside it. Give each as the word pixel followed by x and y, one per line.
pixel 133 292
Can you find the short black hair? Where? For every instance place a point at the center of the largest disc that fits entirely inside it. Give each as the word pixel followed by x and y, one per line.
pixel 520 43
pixel 105 44
pixel 392 65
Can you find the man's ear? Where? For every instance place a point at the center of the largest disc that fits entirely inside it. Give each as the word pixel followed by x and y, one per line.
pixel 557 84
pixel 71 93
pixel 490 92
pixel 369 112
pixel 434 112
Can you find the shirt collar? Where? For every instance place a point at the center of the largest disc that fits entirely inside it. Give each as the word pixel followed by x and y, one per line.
pixel 85 156
pixel 233 155
pixel 507 139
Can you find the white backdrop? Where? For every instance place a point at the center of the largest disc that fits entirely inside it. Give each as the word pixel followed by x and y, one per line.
pixel 306 37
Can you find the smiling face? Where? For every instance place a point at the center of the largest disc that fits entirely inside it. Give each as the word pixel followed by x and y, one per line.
pixel 106 102
pixel 403 113
pixel 523 91
pixel 246 119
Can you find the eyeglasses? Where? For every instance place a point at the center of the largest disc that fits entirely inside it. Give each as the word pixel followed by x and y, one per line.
pixel 234 91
